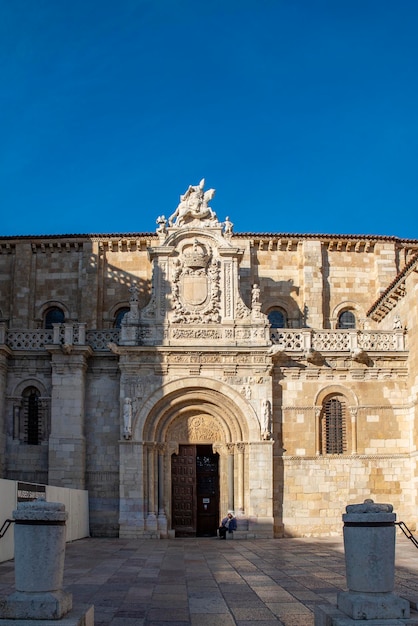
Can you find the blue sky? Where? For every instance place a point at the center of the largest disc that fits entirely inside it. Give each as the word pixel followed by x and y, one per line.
pixel 302 114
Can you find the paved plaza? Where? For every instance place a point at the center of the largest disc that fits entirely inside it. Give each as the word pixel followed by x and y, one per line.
pixel 210 582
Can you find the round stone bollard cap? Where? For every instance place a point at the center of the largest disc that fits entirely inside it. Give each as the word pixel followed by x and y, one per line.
pixel 369 511
pixel 40 510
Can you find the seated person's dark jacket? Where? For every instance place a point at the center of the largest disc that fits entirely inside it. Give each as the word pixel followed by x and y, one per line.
pixel 228 524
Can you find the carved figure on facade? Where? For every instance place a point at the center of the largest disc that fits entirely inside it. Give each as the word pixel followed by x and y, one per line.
pixel 228 225
pixel 194 205
pixel 241 310
pixel 266 420
pixel 246 392
pixel 255 295
pixel 134 291
pixel 162 226
pixel 397 324
pixel 127 418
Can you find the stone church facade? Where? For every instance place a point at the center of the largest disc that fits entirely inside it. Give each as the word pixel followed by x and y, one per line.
pixel 180 374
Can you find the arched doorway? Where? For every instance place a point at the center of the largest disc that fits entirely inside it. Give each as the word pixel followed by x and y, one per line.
pixel 205 418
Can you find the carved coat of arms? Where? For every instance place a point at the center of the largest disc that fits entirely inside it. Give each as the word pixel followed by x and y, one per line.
pixel 195 285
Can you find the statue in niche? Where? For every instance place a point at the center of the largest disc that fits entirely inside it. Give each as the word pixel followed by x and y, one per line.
pixel 194 204
pixel 255 294
pixel 127 418
pixel 266 420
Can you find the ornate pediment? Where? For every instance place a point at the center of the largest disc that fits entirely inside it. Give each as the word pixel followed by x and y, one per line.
pixel 195 294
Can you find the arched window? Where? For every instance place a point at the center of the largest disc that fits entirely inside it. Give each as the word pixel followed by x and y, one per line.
pixel 277 318
pixel 54 315
pixel 32 416
pixel 119 317
pixel 333 426
pixel 346 320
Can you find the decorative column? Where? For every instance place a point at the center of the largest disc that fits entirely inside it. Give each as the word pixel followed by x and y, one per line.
pixel 67 445
pixel 318 442
pixel 353 413
pixel 240 447
pixel 162 519
pixel 230 448
pixel 151 522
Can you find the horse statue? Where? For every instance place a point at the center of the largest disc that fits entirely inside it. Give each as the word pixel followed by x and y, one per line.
pixel 194 204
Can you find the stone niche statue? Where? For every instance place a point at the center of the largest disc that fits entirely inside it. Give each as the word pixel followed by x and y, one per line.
pixel 194 204
pixel 266 420
pixel 127 418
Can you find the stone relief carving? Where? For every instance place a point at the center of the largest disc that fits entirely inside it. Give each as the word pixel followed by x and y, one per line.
pixel 241 310
pixel 246 391
pixel 127 418
pixel 195 285
pixel 194 205
pixel 195 429
pixel 266 420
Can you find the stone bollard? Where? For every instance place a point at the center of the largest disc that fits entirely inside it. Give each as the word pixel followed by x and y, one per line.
pixel 369 545
pixel 39 563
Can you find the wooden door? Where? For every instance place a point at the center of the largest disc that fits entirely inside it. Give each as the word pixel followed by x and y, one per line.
pixel 207 490
pixel 183 485
pixel 195 491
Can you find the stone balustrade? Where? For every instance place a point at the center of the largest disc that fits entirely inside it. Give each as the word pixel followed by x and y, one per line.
pixel 288 340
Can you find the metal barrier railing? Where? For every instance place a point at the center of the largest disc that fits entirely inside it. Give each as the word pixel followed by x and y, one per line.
pixel 404 528
pixel 5 527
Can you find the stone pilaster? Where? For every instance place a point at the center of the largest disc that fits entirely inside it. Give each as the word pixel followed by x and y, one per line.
pixel 132 505
pixel 67 445
pixel 4 354
pixel 312 282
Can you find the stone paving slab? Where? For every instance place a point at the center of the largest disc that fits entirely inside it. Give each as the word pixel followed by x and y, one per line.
pixel 207 582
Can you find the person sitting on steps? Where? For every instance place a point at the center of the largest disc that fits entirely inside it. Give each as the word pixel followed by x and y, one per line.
pixel 228 524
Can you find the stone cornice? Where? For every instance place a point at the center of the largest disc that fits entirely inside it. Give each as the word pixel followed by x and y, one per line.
pixel 395 291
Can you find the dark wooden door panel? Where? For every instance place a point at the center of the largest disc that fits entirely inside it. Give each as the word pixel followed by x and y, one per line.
pixel 195 491
pixel 183 480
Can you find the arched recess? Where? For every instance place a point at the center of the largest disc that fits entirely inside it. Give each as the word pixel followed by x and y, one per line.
pixel 288 305
pixel 347 305
pixel 193 410
pixel 352 404
pixel 31 382
pixel 190 397
pixel 19 410
pixel 51 304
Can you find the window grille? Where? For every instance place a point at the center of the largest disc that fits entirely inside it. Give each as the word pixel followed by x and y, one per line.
pixel 334 427
pixel 347 320
pixel 34 417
